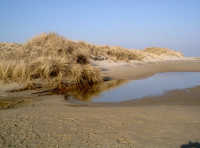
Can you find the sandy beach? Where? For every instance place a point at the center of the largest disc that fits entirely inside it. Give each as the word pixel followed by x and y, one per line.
pixel 137 70
pixel 167 121
pixel 100 74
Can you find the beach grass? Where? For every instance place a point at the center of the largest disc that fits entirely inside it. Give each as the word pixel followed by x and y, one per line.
pixel 50 60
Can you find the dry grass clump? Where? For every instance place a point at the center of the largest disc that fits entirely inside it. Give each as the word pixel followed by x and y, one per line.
pixel 49 72
pixel 115 53
pixel 163 52
pixel 47 60
pixel 83 75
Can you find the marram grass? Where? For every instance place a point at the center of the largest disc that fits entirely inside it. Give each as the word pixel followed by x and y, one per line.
pixel 49 60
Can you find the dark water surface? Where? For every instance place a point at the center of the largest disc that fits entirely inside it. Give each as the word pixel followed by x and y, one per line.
pixel 117 91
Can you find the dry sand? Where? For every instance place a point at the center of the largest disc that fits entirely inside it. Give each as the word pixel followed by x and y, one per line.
pixel 137 69
pixel 167 121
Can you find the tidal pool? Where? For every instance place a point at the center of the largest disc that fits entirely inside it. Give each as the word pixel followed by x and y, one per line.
pixel 123 90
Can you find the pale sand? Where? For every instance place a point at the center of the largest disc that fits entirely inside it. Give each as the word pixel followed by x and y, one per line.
pixel 166 121
pixel 136 69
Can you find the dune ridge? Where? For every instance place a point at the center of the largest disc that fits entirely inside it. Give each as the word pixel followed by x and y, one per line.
pixel 50 60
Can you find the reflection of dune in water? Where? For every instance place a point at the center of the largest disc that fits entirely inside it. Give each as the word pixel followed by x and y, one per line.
pixel 86 94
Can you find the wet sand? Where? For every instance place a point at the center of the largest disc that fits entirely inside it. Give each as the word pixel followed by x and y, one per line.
pixel 166 121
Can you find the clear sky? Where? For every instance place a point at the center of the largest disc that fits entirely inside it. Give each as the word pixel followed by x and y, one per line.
pixel 129 23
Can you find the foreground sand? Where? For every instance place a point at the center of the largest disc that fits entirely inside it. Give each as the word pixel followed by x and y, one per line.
pixel 52 122
pixel 167 121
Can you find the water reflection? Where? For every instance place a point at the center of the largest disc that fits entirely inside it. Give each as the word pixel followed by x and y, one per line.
pixel 117 90
pixel 123 90
pixel 87 94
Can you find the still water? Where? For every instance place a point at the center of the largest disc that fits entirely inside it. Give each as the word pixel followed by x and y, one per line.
pixel 155 85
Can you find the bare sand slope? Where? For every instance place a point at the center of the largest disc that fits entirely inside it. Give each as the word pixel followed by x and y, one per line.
pixel 136 70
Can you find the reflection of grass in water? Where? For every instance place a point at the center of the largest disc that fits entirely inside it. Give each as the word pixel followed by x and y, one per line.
pixel 86 94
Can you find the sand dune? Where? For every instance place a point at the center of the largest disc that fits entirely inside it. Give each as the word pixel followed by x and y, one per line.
pixel 167 121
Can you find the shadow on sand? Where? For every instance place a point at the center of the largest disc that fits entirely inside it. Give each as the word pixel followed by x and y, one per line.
pixel 191 145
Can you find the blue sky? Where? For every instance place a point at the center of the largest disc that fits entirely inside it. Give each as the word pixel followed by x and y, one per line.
pixel 129 23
